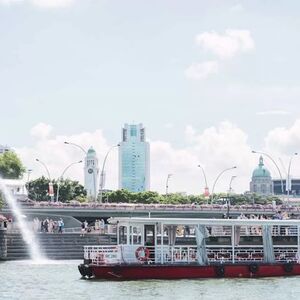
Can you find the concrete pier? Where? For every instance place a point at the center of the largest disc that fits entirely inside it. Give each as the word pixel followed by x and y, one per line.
pixel 54 245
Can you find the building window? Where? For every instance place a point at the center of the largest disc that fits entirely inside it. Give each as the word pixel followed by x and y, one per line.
pixel 254 188
pixel 136 234
pixel 142 135
pixel 124 135
pixel 123 235
pixel 133 131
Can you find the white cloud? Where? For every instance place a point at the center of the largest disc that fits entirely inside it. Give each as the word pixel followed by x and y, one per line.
pixel 41 130
pixel 57 155
pixel 226 45
pixel 169 125
pixel 52 3
pixel 41 3
pixel 215 148
pixel 273 112
pixel 237 8
pixel 283 140
pixel 200 71
pixel 9 2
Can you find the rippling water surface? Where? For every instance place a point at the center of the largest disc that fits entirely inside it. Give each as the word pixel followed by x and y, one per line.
pixel 61 280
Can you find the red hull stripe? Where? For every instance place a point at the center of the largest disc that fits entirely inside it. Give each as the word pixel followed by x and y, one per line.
pixel 136 272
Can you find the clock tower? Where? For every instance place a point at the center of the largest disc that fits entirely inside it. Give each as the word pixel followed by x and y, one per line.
pixel 91 174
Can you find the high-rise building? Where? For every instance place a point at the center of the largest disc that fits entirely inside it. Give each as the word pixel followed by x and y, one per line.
pixel 261 183
pixel 91 174
pixel 134 159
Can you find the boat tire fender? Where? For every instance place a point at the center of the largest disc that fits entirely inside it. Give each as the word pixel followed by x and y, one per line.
pixel 253 268
pixel 80 268
pixel 288 267
pixel 220 271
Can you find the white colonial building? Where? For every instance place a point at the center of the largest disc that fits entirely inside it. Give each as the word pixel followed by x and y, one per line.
pixel 261 182
pixel 17 187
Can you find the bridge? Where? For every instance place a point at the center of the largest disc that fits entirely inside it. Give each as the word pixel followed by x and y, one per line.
pixel 91 212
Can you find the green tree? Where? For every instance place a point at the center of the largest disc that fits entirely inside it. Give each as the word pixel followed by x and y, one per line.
pixel 38 189
pixel 68 190
pixel 150 197
pixel 11 166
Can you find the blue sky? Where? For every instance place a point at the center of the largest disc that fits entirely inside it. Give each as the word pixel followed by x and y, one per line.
pixel 84 65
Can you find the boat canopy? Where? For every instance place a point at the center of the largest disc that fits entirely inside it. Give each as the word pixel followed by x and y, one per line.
pixel 208 222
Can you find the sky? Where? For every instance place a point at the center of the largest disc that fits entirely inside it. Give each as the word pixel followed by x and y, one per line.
pixel 210 80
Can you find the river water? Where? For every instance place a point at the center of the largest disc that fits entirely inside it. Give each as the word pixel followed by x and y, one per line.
pixel 61 280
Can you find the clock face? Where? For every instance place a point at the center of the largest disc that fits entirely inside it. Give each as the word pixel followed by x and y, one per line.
pixel 90 171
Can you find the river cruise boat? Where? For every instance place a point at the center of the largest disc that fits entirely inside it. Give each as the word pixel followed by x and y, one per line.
pixel 169 248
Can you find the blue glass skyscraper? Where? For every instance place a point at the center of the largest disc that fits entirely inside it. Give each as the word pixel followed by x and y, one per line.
pixel 134 159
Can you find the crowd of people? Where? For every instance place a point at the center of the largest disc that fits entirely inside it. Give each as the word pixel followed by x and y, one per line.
pixel 97 227
pixel 279 215
pixel 48 225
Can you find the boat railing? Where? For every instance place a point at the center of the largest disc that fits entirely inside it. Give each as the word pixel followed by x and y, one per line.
pixel 277 230
pixel 100 255
pixel 134 254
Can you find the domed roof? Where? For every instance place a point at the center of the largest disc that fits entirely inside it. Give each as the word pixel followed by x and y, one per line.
pixel 91 152
pixel 261 170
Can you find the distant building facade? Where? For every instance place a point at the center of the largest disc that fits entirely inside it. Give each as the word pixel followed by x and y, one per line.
pixel 295 187
pixel 91 174
pixel 4 149
pixel 17 187
pixel 261 182
pixel 134 159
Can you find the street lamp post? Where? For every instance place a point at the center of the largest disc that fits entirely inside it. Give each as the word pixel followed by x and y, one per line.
pixel 270 157
pixel 29 171
pixel 76 145
pixel 228 196
pixel 62 175
pixel 289 181
pixel 206 189
pixel 167 183
pixel 49 177
pixel 102 171
pixel 230 183
pixel 221 173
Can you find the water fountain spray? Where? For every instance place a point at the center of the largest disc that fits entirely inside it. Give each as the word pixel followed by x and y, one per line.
pixel 27 234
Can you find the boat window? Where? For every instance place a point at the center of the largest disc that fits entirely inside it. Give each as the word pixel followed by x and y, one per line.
pixel 149 235
pixel 122 235
pixel 136 235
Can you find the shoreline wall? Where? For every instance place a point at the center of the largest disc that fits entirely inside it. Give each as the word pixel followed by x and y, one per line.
pixel 3 244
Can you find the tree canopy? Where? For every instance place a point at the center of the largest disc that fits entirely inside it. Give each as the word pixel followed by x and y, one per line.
pixel 150 197
pixel 68 190
pixel 11 166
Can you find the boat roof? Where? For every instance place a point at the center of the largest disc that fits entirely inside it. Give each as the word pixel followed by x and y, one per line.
pixel 207 222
